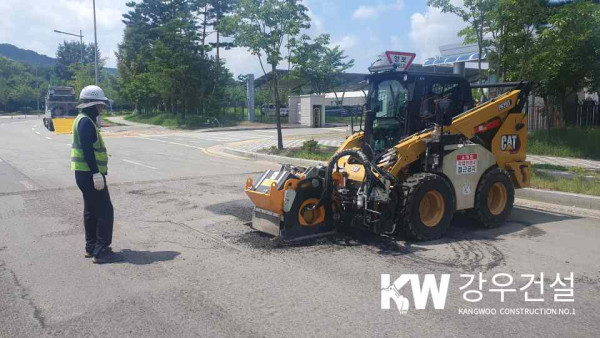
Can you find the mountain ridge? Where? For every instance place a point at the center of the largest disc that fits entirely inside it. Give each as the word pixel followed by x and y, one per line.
pixel 32 57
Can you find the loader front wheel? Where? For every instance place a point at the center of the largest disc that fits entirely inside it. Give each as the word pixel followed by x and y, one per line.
pixel 428 207
pixel 494 199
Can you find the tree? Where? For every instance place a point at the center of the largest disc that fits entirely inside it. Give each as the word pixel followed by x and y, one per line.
pixel 164 64
pixel 319 64
pixel 567 53
pixel 220 9
pixel 265 27
pixel 69 53
pixel 512 25
pixel 19 85
pixel 474 12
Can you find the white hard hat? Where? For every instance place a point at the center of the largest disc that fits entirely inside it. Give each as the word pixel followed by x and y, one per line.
pixel 92 96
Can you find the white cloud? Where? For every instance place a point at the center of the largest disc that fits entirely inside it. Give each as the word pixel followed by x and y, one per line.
pixel 346 42
pixel 316 23
pixel 370 12
pixel 431 29
pixel 240 61
pixel 364 12
pixel 29 24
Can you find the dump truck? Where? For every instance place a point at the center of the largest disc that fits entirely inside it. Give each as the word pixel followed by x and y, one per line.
pixel 424 152
pixel 61 109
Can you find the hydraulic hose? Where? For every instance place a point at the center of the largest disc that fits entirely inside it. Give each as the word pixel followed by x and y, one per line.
pixel 332 163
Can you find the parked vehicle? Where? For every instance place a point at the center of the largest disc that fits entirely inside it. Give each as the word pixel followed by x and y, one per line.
pixel 269 110
pixel 60 109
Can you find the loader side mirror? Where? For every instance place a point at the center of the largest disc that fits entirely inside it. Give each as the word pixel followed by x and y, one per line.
pixel 444 111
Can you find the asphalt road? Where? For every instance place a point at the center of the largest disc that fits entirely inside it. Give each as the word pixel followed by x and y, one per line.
pixel 193 267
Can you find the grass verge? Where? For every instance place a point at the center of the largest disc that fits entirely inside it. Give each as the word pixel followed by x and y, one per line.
pixel 584 181
pixel 165 120
pixel 310 150
pixel 106 120
pixel 565 142
pixel 196 122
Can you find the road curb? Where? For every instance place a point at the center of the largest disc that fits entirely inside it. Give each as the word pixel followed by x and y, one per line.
pixel 271 158
pixel 561 198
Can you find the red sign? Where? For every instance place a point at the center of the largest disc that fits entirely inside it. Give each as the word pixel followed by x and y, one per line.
pixel 466 157
pixel 401 59
pixel 466 164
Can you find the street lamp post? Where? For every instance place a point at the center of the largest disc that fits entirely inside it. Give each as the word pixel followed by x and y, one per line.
pixel 80 36
pixel 95 45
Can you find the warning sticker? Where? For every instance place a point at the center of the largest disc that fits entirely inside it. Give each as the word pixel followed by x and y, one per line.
pixel 466 164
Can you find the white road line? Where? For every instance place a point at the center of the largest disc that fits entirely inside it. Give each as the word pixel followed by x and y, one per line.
pixel 37 132
pixel 222 139
pixel 27 185
pixel 175 143
pixel 140 164
pixel 33 128
pixel 69 144
pixel 48 138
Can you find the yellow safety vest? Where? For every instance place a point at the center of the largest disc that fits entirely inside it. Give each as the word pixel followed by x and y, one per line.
pixel 77 160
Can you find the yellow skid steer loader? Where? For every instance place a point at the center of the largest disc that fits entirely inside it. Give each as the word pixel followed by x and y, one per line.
pixel 424 152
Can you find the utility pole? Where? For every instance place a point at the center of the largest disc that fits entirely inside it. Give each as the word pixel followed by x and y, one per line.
pixel 250 96
pixel 95 45
pixel 82 47
pixel 80 36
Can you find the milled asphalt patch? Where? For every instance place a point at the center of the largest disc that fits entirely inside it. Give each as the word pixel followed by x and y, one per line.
pixel 545 196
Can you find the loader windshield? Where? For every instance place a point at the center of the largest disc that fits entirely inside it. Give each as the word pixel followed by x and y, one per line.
pixel 389 101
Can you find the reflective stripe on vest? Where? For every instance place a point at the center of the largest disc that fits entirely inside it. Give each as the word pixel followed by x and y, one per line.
pixel 77 160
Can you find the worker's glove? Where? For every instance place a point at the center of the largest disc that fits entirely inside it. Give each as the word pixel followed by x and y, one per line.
pixel 99 181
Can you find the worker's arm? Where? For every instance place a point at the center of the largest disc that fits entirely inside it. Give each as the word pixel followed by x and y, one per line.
pixel 87 137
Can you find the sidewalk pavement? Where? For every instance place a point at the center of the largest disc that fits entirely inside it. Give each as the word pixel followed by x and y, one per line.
pixel 565 162
pixel 333 141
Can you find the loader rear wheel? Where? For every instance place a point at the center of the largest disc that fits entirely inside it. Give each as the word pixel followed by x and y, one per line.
pixel 429 206
pixel 494 199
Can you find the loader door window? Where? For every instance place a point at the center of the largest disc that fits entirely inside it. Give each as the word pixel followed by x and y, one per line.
pixel 389 101
pixel 436 91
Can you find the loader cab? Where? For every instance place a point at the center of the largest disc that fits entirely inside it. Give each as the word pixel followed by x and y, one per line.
pixel 404 103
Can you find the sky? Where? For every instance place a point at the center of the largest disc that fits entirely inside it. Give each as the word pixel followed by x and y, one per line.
pixel 363 28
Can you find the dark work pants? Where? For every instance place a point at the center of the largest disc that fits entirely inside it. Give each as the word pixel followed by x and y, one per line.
pixel 97 213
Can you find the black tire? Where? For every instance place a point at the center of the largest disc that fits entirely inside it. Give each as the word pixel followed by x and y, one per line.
pixel 416 188
pixel 50 125
pixel 487 218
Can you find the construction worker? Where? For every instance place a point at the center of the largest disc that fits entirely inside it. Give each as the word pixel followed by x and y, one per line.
pixel 89 160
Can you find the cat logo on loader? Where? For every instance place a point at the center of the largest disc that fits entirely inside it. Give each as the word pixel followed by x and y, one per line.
pixel 508 142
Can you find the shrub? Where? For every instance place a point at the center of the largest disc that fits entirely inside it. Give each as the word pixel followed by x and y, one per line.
pixel 310 145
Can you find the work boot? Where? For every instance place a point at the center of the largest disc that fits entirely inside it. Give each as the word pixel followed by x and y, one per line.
pixel 106 255
pixel 89 254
